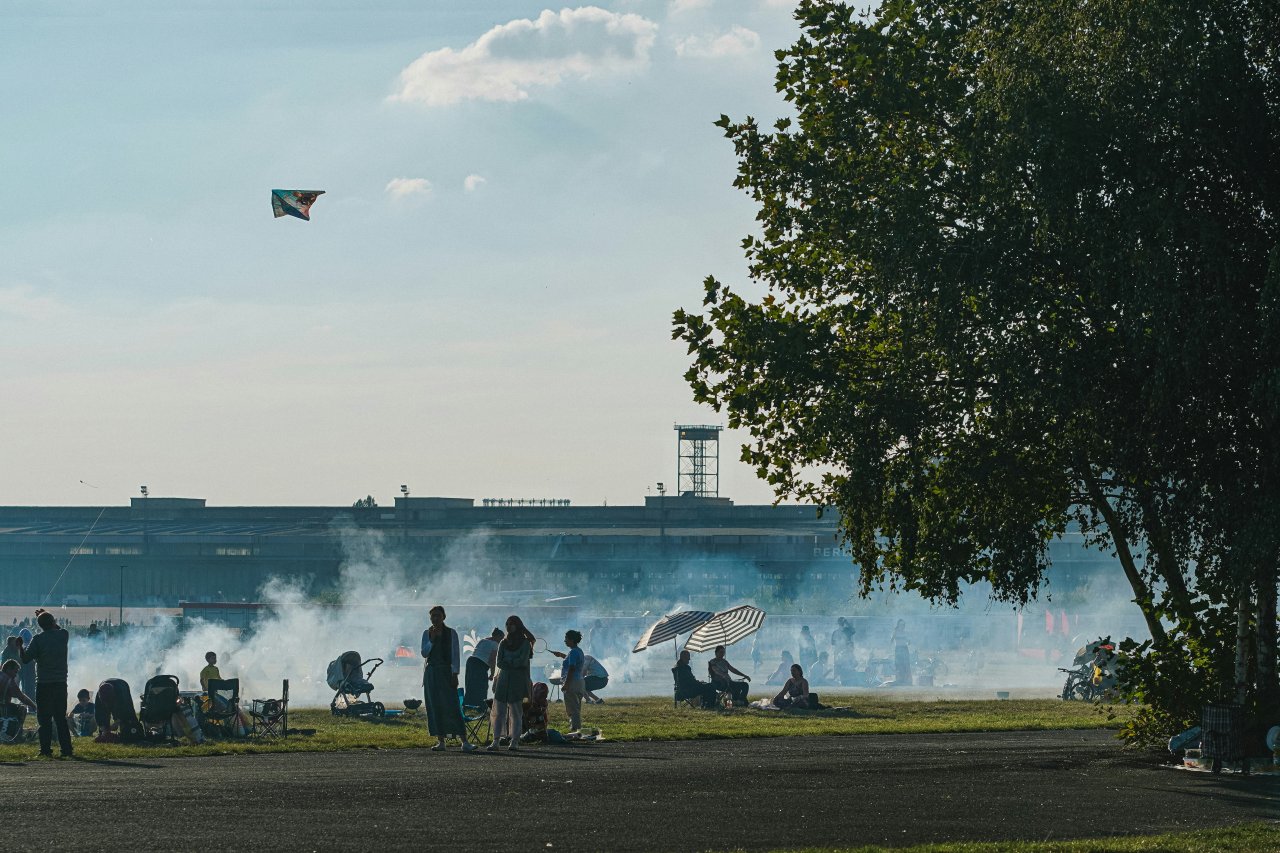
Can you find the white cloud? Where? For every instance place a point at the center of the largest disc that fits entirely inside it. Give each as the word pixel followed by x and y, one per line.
pixel 735 42
pixel 408 187
pixel 510 59
pixel 21 301
pixel 678 6
pixel 473 182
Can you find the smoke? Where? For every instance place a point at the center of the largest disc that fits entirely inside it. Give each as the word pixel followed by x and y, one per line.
pixel 380 602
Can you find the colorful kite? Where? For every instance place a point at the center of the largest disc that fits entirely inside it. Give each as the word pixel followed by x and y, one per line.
pixel 294 202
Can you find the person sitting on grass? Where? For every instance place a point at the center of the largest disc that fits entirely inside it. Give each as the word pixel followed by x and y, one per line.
pixel 689 687
pixel 83 717
pixel 779 675
pixel 795 693
pixel 718 668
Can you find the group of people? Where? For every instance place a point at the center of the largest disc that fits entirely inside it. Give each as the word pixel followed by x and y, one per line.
pixel 794 694
pixel 47 650
pixel 503 659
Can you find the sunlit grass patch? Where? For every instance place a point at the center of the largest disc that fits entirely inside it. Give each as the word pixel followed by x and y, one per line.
pixel 642 719
pixel 655 719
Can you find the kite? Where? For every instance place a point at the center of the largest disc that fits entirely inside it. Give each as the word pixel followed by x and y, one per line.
pixel 294 202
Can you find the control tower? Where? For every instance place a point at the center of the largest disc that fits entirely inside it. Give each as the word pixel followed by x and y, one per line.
pixel 697 461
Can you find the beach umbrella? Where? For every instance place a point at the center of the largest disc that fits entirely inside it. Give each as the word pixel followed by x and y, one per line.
pixel 726 628
pixel 671 626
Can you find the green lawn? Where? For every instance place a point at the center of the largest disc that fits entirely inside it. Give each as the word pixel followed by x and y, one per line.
pixel 1246 838
pixel 654 719
pixel 650 719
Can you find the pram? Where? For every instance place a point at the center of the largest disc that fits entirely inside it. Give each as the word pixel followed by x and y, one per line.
pixel 159 704
pixel 166 714
pixel 346 676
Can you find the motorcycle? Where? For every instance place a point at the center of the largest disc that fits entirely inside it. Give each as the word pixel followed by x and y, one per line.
pixel 1093 674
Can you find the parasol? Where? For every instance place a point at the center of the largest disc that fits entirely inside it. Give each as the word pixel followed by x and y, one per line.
pixel 726 628
pixel 671 626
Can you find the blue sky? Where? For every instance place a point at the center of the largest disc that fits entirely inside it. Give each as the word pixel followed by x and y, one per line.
pixel 517 197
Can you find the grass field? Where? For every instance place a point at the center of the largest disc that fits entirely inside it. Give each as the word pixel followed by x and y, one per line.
pixel 1246 838
pixel 648 719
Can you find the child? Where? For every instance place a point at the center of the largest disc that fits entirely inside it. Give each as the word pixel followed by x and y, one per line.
pixel 83 717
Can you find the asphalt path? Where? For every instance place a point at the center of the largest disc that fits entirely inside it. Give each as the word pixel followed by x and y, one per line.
pixel 751 794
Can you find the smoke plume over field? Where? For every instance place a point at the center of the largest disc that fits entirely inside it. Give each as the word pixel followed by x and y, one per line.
pixel 971 650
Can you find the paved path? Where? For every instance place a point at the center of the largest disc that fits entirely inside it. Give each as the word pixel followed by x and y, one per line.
pixel 705 795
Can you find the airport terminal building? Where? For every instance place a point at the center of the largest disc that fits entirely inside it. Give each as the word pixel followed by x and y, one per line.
pixel 704 551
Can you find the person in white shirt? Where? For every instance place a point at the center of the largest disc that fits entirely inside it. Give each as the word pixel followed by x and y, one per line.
pixel 596 678
pixel 480 669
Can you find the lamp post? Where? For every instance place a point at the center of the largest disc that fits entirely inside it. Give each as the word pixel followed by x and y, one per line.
pixel 145 492
pixel 662 516
pixel 404 527
pixel 121 622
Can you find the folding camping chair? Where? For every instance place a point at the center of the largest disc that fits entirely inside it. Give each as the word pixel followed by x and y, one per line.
pixel 271 716
pixel 475 718
pixel 223 711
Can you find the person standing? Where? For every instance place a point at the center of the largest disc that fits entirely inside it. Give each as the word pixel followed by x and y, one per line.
pixel 511 686
pixel 28 676
pixel 808 647
pixel 901 655
pixel 572 680
pixel 48 650
pixel 480 670
pixel 441 649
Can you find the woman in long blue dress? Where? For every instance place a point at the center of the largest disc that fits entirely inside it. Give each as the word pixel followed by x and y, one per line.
pixel 441 649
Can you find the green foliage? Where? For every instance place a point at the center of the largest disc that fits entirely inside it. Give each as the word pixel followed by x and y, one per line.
pixel 1021 272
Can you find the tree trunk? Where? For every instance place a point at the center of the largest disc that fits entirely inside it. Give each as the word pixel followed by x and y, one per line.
pixel 1243 612
pixel 1142 595
pixel 1168 564
pixel 1268 683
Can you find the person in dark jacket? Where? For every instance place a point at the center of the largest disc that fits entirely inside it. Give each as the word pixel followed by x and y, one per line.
pixel 49 651
pixel 688 686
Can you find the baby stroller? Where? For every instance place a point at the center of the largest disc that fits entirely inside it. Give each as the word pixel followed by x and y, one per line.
pixel 159 705
pixel 348 679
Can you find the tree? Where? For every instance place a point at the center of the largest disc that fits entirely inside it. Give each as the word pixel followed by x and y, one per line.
pixel 367 502
pixel 1022 272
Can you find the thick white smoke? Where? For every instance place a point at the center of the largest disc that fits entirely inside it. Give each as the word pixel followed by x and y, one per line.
pixel 974 650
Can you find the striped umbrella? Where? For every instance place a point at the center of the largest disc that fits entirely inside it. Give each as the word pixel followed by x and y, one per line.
pixel 726 628
pixel 671 626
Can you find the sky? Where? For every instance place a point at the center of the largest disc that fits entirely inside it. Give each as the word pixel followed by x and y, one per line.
pixel 517 196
